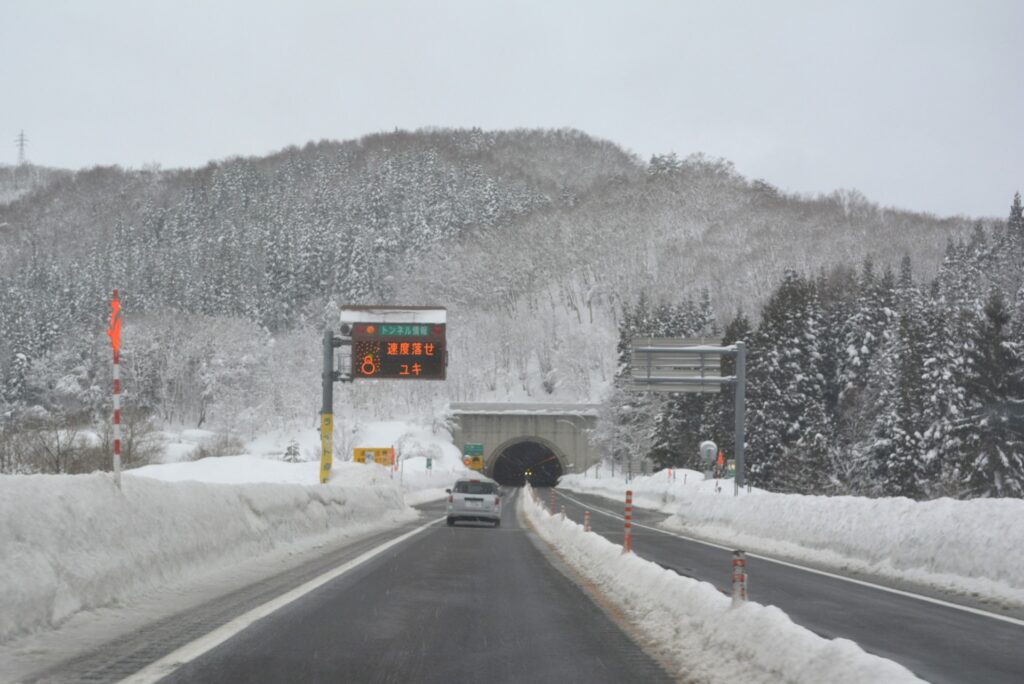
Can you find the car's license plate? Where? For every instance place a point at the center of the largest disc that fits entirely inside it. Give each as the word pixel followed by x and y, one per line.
pixel 473 504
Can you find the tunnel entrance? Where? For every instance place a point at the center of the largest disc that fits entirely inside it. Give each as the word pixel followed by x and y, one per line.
pixel 527 461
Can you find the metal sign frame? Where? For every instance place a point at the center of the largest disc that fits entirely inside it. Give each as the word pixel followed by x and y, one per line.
pixel 674 365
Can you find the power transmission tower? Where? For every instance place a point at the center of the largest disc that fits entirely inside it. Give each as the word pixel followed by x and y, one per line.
pixel 20 141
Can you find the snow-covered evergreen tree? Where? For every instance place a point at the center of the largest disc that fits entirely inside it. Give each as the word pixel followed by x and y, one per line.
pixel 992 429
pixel 896 453
pixel 789 431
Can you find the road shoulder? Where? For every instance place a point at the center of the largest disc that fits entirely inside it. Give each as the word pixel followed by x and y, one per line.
pixel 120 640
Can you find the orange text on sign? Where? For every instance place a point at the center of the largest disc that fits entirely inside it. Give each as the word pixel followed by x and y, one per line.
pixel 409 349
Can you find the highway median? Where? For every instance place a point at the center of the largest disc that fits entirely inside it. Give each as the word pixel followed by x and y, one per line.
pixel 693 627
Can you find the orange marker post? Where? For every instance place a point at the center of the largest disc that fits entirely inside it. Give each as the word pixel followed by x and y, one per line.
pixel 114 332
pixel 627 544
pixel 739 578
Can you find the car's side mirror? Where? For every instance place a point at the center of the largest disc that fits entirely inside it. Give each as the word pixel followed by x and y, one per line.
pixel 447 491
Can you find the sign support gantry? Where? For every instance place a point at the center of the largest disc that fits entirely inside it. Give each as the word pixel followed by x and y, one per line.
pixel 668 365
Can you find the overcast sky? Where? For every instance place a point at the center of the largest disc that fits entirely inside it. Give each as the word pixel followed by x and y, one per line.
pixel 917 104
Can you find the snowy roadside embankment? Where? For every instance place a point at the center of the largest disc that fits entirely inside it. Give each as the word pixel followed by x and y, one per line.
pixel 75 542
pixel 696 629
pixel 416 445
pixel 967 547
pixel 656 491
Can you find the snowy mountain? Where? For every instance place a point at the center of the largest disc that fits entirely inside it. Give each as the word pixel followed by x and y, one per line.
pixel 538 242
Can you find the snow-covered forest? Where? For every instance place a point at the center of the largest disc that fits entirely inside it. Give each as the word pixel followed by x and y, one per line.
pixel 548 248
pixel 866 381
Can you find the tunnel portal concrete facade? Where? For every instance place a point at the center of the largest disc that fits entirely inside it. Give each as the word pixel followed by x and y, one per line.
pixel 559 427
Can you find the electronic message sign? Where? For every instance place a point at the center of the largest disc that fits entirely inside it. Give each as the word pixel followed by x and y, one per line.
pixel 399 351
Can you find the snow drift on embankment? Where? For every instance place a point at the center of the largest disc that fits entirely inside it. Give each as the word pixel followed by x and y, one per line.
pixel 75 542
pixel 694 625
pixel 967 547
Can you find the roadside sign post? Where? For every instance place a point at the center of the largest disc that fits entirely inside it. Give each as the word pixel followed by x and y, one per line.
pixel 669 365
pixel 384 343
pixel 329 377
pixel 741 407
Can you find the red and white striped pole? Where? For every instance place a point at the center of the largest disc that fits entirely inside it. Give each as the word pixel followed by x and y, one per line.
pixel 627 544
pixel 586 521
pixel 739 578
pixel 115 339
pixel 117 417
pixel 552 501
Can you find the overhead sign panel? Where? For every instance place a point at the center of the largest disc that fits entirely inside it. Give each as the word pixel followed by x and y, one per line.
pixel 398 343
pixel 708 387
pixel 666 364
pixel 401 356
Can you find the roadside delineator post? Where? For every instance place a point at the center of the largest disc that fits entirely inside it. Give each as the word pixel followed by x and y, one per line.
pixel 114 332
pixel 739 578
pixel 586 521
pixel 627 544
pixel 551 506
pixel 563 512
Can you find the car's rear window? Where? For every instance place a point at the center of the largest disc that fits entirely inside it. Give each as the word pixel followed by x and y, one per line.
pixel 475 487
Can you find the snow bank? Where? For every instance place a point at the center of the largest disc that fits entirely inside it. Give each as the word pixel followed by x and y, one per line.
pixel 236 470
pixel 649 491
pixel 414 444
pixel 705 639
pixel 966 547
pixel 182 444
pixel 75 542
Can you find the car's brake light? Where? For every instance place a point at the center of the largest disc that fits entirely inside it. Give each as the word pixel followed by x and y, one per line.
pixel 497 500
pixel 451 498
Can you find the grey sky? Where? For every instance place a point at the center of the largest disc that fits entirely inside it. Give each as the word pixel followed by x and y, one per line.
pixel 916 104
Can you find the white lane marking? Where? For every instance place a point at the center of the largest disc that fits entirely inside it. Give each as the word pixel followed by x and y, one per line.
pixel 880 587
pixel 159 669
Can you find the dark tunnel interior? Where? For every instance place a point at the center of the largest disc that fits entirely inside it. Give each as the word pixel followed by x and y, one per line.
pixel 527 461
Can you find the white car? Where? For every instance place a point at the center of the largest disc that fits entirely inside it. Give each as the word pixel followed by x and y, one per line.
pixel 476 499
